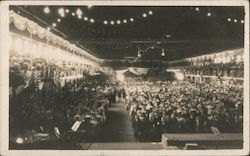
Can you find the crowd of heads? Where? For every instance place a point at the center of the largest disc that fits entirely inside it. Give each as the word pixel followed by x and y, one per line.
pixel 155 107
pixel 41 110
pixel 183 107
pixel 229 69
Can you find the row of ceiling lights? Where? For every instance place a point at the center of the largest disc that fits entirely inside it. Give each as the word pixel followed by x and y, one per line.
pixel 139 54
pixel 79 13
pixel 228 19
pixel 62 12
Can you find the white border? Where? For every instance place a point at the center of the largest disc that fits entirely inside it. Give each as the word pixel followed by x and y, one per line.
pixel 4 82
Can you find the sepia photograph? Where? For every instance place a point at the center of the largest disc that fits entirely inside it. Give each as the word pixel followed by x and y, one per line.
pixel 124 77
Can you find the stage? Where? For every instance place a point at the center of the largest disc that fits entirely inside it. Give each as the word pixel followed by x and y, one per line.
pixel 204 140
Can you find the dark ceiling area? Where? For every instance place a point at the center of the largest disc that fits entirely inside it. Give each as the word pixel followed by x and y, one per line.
pixel 180 31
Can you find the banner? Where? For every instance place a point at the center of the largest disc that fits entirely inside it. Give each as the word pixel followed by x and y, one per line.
pixel 134 70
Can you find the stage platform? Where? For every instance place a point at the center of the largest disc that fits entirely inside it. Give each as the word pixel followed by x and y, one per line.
pixel 204 140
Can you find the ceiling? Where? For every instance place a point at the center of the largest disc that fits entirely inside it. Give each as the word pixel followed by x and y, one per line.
pixel 181 31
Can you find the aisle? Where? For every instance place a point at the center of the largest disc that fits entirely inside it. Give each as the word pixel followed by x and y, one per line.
pixel 117 128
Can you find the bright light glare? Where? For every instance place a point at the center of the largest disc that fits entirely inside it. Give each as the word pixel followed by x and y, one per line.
pixel 163 53
pixel 90 6
pixel 238 58
pixel 54 24
pixel 179 76
pixel 46 10
pixel 19 140
pixel 79 12
pixel 92 20
pixel 120 77
pixel 61 12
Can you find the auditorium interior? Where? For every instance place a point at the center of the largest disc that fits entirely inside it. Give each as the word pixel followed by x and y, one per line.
pixel 126 77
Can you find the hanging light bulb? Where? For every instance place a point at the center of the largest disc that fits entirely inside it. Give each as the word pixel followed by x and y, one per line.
pixel 92 20
pixel 90 6
pixel 67 10
pixel 46 10
pixel 73 14
pixel 61 12
pixel 229 19
pixel 54 24
pixel 144 15
pixel 79 12
pixel 162 52
pixel 131 19
pixel 235 21
pixel 112 22
pixel 86 19
pixel 79 17
pixel 105 22
pixel 118 22
pixel 124 21
pixel 197 9
pixel 150 12
pixel 48 28
pixel 242 21
pixel 58 20
pixel 209 14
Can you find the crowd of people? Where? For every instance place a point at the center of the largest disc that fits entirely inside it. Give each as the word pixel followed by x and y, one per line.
pixel 183 107
pixel 52 106
pixel 221 70
pixel 41 104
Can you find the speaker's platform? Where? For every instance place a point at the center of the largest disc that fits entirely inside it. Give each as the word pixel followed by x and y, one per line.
pixel 204 140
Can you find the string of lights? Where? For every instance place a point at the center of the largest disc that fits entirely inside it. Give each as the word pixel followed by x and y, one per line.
pixel 197 9
pixel 229 19
pixel 78 13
